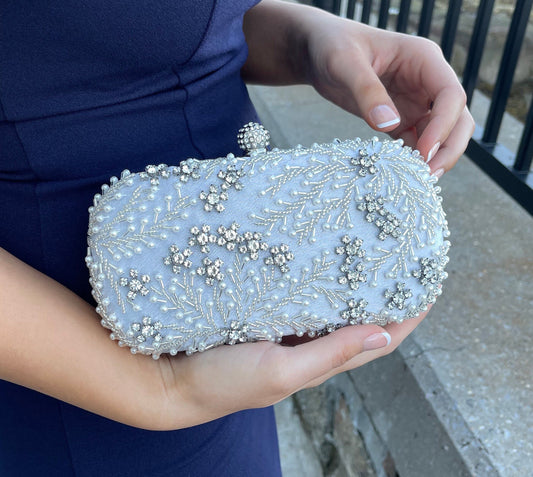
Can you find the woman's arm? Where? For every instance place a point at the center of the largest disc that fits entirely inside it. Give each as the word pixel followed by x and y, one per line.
pixel 52 342
pixel 399 84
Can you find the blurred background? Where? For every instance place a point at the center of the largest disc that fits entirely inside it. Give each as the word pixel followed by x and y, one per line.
pixel 456 398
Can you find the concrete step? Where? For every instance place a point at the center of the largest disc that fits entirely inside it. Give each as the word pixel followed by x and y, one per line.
pixel 297 454
pixel 456 398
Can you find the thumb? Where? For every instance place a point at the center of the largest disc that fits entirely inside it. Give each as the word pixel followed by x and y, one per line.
pixel 357 88
pixel 374 103
pixel 316 358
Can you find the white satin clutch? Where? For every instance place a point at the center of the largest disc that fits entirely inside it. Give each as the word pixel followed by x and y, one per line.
pixel 280 242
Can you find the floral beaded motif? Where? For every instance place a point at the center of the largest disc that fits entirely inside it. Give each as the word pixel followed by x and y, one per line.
pixel 430 271
pixel 356 312
pixel 136 284
pixel 153 173
pixel 231 178
pixel 188 170
pixel 279 256
pixel 398 297
pixel 213 199
pixel 202 236
pixel 387 222
pixel 366 162
pixel 211 270
pixel 352 249
pixel 146 329
pixel 218 282
pixel 252 244
pixel 178 258
pixel 228 236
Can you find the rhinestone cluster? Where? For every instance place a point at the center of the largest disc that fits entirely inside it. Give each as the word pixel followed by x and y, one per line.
pixel 213 199
pixel 202 237
pixel 237 333
pixel 188 170
pixel 185 171
pixel 366 162
pixel 231 178
pixel 177 258
pixel 430 271
pixel 211 269
pixel 280 256
pixel 387 222
pixel 356 312
pixel 146 329
pixel 253 136
pixel 398 297
pixel 271 273
pixel 352 249
pixel 251 244
pixel 153 173
pixel 247 243
pixel 136 284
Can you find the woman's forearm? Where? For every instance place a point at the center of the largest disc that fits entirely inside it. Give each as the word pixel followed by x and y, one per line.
pixel 52 341
pixel 277 47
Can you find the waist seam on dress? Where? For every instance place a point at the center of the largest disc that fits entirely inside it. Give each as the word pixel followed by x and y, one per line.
pixel 35 192
pixel 91 108
pixel 60 408
pixel 189 132
pixel 202 39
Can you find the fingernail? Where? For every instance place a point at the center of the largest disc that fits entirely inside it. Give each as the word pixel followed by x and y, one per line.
pixel 438 173
pixel 433 151
pixel 383 116
pixel 377 340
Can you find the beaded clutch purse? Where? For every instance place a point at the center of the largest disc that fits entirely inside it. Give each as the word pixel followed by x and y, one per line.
pixel 281 242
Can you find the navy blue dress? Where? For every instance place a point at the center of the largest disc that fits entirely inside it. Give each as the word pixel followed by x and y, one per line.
pixel 87 89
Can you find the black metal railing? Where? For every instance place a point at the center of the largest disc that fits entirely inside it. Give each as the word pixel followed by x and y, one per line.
pixel 511 171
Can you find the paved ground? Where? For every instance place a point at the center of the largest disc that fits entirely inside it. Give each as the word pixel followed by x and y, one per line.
pixel 477 343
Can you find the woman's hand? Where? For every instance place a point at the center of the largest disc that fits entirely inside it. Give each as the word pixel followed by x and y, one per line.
pixel 398 83
pixel 52 342
pixel 231 378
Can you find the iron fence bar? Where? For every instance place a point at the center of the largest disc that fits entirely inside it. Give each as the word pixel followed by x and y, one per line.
pixel 403 16
pixel 513 44
pixel 383 14
pixel 525 149
pixel 492 159
pixel 350 12
pixel 336 7
pixel 477 45
pixel 450 28
pixel 426 14
pixel 509 170
pixel 365 14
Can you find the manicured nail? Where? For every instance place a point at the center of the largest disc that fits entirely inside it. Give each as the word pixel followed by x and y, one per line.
pixel 438 173
pixel 433 151
pixel 377 340
pixel 383 116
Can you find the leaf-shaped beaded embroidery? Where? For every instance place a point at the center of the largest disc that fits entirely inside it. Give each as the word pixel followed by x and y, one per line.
pixel 305 241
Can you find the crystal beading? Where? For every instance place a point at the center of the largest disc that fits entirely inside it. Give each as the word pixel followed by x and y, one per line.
pixel 177 258
pixel 146 329
pixel 279 256
pixel 387 222
pixel 253 136
pixel 398 297
pixel 136 284
pixel 294 249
